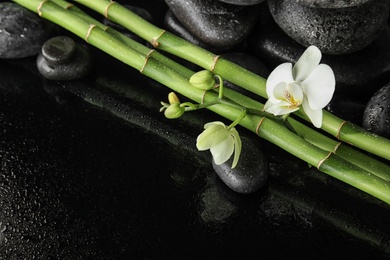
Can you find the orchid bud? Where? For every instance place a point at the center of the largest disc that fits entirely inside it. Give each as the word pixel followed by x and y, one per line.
pixel 174 111
pixel 173 98
pixel 203 80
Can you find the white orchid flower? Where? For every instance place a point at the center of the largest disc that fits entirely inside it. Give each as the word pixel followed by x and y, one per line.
pixel 222 142
pixel 308 83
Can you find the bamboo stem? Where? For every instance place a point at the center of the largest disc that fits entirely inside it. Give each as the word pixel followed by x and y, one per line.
pixel 264 127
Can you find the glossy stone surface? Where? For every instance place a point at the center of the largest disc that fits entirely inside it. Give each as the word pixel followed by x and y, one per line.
pixel 376 117
pixel 215 23
pixel 59 50
pixel 333 30
pixel 22 32
pixel 250 174
pixel 62 59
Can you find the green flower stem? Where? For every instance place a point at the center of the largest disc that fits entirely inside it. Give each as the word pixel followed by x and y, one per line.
pixel 238 119
pixel 269 129
pixel 230 71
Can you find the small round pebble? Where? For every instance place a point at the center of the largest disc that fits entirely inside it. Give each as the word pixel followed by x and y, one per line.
pixel 333 30
pixel 22 32
pixel 62 59
pixel 251 172
pixel 376 117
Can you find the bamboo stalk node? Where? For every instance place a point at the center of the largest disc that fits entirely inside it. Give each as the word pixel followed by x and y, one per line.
pixel 259 125
pixel 40 6
pixel 339 129
pixel 105 13
pixel 91 26
pixel 336 147
pixel 146 60
pixel 154 41
pixel 323 160
pixel 69 6
pixel 215 60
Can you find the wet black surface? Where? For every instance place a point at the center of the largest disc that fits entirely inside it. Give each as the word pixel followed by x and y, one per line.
pixel 89 172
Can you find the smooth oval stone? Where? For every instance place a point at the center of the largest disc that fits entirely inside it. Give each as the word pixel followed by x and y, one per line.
pixel 218 24
pixel 251 172
pixel 59 50
pixel 71 61
pixel 242 2
pixel 358 74
pixel 333 30
pixel 22 32
pixel 376 117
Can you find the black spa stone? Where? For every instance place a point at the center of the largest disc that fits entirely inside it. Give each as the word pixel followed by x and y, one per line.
pixel 251 172
pixel 376 117
pixel 218 24
pixel 22 32
pixel 62 58
pixel 334 30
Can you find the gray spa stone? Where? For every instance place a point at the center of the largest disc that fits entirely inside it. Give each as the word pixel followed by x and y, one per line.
pixel 22 32
pixel 334 30
pixel 251 172
pixel 63 59
pixel 218 24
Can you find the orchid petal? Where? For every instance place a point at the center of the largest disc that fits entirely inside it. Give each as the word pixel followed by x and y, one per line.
pixel 237 147
pixel 281 73
pixel 319 86
pixel 222 151
pixel 306 63
pixel 211 136
pixel 315 115
pixel 293 90
pixel 280 108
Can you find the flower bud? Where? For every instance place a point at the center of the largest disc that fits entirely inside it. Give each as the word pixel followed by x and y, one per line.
pixel 173 98
pixel 174 111
pixel 203 80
